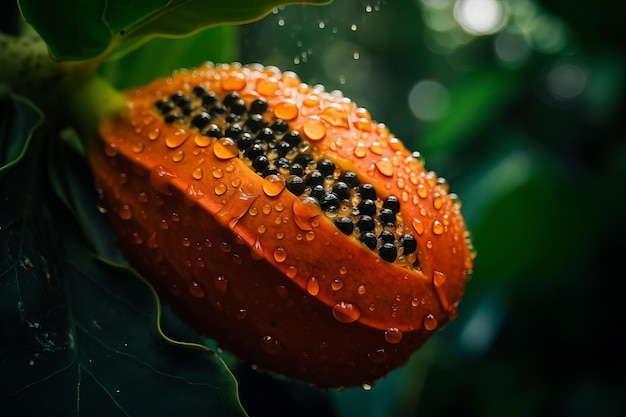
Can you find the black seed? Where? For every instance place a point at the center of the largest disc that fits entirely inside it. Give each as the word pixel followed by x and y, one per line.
pixel 369 239
pixel 230 98
pixel 303 159
pixel 171 118
pixel 344 224
pixel 296 169
pixel 279 126
pixel 213 131
pixel 365 223
pixel 209 99
pixel 387 217
pixel 164 106
pixel 295 185
pixel 392 203
pixel 350 178
pixel 282 148
pixel 409 244
pixel 260 163
pixel 201 120
pixel 342 190
pixel 244 141
pixel 217 110
pixel 367 207
pixel 282 164
pixel 182 101
pixel 367 192
pixel 269 171
pixel 177 96
pixel 238 107
pixel 233 131
pixel 314 178
pixel 253 151
pixel 258 106
pixel 388 252
pixel 265 135
pixel 293 138
pixel 318 192
pixel 326 167
pixel 329 202
pixel 188 109
pixel 254 122
pixel 233 118
pixel 387 237
pixel 199 91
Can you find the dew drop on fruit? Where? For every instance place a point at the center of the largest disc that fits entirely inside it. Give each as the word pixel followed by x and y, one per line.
pixel 314 128
pixel 336 284
pixel 221 283
pixel 361 289
pixel 377 356
pixel 360 150
pixel 280 254
pixel 313 286
pixel 345 312
pixel 385 167
pixel 393 335
pixel 154 134
pixel 220 188
pixel 234 82
pixel 430 322
pixel 335 115
pixel 176 140
pixel 125 212
pixel 236 207
pixel 195 289
pixel 286 110
pixel 271 345
pixel 197 173
pixel 291 272
pixel 178 156
pixel 241 314
pixel 437 227
pixel 160 178
pixel 273 185
pixel 225 148
pixel 418 226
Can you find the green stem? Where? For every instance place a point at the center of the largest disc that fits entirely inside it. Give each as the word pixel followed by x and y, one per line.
pixel 69 93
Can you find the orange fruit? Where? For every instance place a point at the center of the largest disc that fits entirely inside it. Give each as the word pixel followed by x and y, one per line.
pixel 281 220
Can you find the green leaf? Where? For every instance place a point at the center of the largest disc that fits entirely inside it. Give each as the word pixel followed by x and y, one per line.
pixel 89 29
pixel 78 335
pixel 147 63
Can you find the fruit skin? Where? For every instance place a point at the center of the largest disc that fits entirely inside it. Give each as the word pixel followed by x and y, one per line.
pixel 243 261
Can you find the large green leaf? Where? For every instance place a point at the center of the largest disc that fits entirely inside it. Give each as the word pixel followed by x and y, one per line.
pixel 88 29
pixel 79 335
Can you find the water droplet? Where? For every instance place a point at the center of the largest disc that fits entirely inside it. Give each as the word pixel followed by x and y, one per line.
pixel 217 173
pixel 415 302
pixel 281 291
pixel 430 322
pixel 164 224
pixel 202 141
pixel 267 209
pixel 313 286
pixel 360 150
pixel 111 149
pixel 220 188
pixel 439 278
pixel 273 185
pixel 314 128
pixel 422 191
pixel 305 211
pixel 336 284
pixel 291 272
pixel 160 178
pixel 393 335
pixel 335 114
pixel 267 86
pixel 154 134
pixel 177 139
pixel 286 110
pixel 345 312
pixel 271 345
pixel 236 207
pixel 256 251
pixel 280 254
pixel 151 242
pixel 437 227
pixel 125 212
pixel 418 226
pixel 241 314
pixel 138 147
pixel 437 201
pixel 378 356
pixel 234 82
pixel 366 387
pixel 195 289
pixel 221 283
pixel 310 235
pixel 197 173
pixel 225 148
pixel 343 270
pixel 385 167
pixel 225 247
pixel 376 148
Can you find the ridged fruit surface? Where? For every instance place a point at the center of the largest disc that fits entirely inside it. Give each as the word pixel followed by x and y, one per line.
pixel 198 176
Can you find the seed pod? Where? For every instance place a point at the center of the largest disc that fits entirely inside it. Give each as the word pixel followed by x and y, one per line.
pixel 255 261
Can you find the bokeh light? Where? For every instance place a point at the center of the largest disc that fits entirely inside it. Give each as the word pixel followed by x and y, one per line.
pixel 480 17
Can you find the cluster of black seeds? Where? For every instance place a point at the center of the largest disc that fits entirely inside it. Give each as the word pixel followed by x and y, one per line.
pixel 272 149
